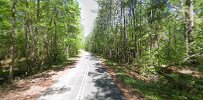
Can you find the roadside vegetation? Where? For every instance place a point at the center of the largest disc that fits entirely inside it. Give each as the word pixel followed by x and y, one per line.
pixel 37 35
pixel 154 46
pixel 175 86
pixel 31 87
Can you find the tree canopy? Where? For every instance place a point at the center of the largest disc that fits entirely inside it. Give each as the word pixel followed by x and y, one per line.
pixel 36 34
pixel 148 32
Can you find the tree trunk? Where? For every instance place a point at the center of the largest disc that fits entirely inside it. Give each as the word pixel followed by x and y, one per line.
pixel 55 36
pixel 36 34
pixel 189 25
pixel 125 38
pixel 134 29
pixel 47 43
pixel 140 32
pixel 12 39
pixel 1 69
pixel 27 45
pixel 169 42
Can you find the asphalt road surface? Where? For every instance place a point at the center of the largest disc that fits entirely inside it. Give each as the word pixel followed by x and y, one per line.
pixel 86 81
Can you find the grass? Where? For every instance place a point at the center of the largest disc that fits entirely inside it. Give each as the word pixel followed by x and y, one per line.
pixel 177 87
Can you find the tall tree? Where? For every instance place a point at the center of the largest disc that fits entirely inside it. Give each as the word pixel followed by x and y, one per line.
pixel 27 38
pixel 12 39
pixel 145 32
pixel 189 26
pixel 38 34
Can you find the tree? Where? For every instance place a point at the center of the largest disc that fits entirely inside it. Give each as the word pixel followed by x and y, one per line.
pixel 34 35
pixel 189 26
pixel 146 32
pixel 12 39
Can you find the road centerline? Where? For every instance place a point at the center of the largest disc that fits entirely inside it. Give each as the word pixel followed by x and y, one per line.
pixel 83 90
pixel 78 97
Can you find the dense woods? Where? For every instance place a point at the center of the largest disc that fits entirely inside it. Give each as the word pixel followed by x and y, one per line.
pixel 149 32
pixel 36 34
pixel 154 46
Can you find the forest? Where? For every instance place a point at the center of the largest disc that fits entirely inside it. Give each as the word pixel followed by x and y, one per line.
pixel 36 34
pixel 160 40
pixel 149 32
pixel 153 47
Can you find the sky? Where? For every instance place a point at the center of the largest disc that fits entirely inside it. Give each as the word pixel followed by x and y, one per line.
pixel 88 7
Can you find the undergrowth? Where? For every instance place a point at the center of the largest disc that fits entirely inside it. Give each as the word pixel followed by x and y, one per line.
pixel 175 86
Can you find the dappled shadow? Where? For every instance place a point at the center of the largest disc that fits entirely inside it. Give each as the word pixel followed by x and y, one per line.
pixel 37 73
pixel 41 80
pixel 168 85
pixel 179 87
pixel 106 89
pixel 56 90
pixel 93 57
pixel 24 85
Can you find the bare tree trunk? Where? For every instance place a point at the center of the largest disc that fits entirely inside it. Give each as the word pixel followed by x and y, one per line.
pixel 124 35
pixel 189 25
pixel 140 32
pixel 110 53
pixel 36 34
pixel 175 37
pixel 55 36
pixel 27 46
pixel 121 30
pixel 125 38
pixel 1 69
pixel 134 28
pixel 12 39
pixel 47 42
pixel 169 42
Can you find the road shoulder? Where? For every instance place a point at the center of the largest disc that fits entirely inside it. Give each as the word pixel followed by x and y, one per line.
pixel 126 91
pixel 32 87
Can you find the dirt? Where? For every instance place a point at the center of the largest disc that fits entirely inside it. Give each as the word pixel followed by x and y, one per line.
pixel 127 91
pixel 31 87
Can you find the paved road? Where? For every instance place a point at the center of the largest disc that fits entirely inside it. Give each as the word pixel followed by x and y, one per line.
pixel 86 81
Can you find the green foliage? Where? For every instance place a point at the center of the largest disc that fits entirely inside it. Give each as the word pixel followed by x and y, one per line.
pixel 147 36
pixel 47 32
pixel 176 86
pixel 148 33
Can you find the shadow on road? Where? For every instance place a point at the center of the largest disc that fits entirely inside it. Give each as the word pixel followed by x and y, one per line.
pixel 101 86
pixel 52 91
pixel 106 89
